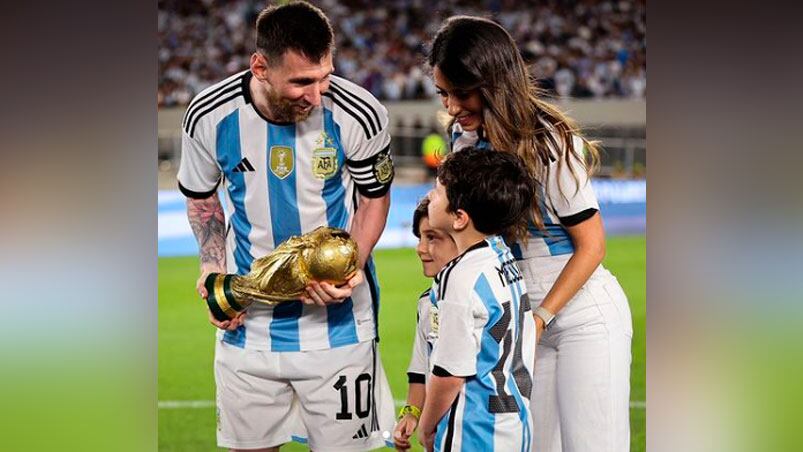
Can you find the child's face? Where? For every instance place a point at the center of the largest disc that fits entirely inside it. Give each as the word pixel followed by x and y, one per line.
pixel 434 248
pixel 439 217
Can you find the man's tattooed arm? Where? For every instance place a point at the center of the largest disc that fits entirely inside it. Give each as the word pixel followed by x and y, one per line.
pixel 209 226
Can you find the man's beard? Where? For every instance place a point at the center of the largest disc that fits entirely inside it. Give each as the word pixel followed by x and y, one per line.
pixel 284 110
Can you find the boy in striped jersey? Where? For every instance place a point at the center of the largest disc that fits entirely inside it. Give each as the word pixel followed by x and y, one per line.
pixel 481 365
pixel 296 148
pixel 435 249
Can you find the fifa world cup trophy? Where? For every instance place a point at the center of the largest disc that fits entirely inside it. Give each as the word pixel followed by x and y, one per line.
pixel 324 255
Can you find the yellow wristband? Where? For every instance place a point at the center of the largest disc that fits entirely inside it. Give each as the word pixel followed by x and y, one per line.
pixel 410 409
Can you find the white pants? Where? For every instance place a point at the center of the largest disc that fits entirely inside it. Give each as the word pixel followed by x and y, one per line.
pixel 581 388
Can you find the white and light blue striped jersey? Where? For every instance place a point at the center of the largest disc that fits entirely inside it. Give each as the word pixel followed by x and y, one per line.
pixel 424 338
pixel 485 332
pixel 565 203
pixel 286 179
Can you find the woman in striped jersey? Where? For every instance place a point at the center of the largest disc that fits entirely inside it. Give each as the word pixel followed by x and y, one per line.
pixel 582 373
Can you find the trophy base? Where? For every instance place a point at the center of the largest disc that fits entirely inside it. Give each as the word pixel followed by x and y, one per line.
pixel 221 300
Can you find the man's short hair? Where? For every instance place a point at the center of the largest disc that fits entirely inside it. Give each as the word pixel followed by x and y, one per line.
pixel 493 188
pixel 297 26
pixel 420 213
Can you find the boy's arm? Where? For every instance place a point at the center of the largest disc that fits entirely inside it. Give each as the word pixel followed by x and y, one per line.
pixel 416 394
pixel 416 376
pixel 440 396
pixel 408 423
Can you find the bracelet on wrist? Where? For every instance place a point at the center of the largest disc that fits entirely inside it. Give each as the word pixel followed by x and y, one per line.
pixel 410 409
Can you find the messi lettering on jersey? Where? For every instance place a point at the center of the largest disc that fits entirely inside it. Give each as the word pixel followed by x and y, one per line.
pixel 508 272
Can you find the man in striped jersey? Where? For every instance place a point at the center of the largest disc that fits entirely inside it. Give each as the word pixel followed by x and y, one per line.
pixel 296 148
pixel 483 335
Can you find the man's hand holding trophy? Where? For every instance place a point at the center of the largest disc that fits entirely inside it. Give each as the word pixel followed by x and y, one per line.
pixel 324 255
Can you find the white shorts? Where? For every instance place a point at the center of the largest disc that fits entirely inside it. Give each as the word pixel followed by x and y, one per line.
pixel 337 399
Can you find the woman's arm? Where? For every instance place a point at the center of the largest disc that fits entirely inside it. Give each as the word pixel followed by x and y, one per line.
pixel 588 238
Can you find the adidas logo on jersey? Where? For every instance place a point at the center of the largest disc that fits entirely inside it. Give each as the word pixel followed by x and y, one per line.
pixel 243 166
pixel 361 433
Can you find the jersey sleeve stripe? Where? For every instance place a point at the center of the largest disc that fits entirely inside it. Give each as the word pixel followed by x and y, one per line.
pixel 363 177
pixel 364 102
pixel 191 128
pixel 350 113
pixel 413 377
pixel 206 99
pixel 574 220
pixel 444 277
pixel 367 162
pixel 345 93
pixel 360 170
pixel 197 194
pixel 339 94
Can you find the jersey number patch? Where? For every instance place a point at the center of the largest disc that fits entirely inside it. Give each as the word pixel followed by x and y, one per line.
pixel 362 405
pixel 502 402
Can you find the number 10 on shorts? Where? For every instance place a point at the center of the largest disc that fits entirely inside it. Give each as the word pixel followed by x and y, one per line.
pixel 362 397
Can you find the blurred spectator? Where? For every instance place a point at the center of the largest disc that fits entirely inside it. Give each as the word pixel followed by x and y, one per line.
pixel 585 48
pixel 433 150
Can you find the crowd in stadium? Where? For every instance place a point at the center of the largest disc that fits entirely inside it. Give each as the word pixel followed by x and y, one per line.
pixel 577 49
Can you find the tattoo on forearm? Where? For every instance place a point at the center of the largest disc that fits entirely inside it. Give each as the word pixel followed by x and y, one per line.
pixel 209 226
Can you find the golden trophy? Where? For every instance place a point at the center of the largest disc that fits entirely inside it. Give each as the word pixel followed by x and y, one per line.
pixel 325 254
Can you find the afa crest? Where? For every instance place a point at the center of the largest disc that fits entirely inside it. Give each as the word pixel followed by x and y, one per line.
pixel 282 161
pixel 383 169
pixel 324 163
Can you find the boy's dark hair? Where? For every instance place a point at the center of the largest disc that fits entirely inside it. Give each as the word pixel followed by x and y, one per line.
pixel 296 26
pixel 493 188
pixel 420 212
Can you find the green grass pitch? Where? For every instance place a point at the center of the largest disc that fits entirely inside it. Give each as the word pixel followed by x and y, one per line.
pixel 186 339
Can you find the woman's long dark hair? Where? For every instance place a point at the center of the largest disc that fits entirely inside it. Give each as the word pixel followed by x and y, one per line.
pixel 477 53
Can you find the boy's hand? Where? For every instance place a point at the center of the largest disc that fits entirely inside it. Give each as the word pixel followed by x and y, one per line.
pixel 404 429
pixel 427 439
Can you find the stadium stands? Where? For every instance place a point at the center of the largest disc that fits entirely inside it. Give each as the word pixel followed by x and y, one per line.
pixel 578 49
